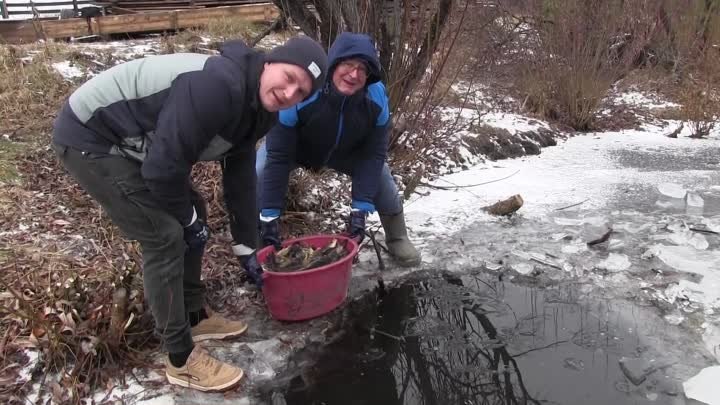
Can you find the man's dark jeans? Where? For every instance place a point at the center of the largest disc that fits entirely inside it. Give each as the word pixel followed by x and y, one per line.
pixel 171 272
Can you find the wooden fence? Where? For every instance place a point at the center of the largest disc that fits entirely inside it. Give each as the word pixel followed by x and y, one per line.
pixel 23 31
pixel 49 9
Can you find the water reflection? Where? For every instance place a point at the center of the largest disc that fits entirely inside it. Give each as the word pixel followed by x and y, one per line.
pixel 474 340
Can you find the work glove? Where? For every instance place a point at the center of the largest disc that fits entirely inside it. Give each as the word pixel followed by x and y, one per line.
pixel 356 225
pixel 253 269
pixel 196 234
pixel 270 232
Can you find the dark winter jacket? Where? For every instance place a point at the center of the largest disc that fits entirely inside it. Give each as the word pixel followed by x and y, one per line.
pixel 346 133
pixel 171 111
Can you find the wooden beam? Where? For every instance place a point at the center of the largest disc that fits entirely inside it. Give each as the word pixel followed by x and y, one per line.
pixel 50 3
pixel 12 31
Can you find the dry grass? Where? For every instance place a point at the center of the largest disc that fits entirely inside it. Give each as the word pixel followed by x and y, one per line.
pixel 30 89
pixel 228 28
pixel 217 31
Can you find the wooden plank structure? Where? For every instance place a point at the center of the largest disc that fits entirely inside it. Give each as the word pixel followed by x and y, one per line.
pixel 146 5
pixel 15 8
pixel 47 9
pixel 13 31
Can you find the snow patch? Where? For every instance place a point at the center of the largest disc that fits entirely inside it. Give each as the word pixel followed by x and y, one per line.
pixel 644 100
pixel 67 70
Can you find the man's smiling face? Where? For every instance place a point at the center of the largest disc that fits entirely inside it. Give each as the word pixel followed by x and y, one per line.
pixel 282 85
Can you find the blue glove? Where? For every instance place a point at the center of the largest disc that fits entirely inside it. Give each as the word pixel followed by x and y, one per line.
pixel 253 269
pixel 196 234
pixel 270 232
pixel 356 225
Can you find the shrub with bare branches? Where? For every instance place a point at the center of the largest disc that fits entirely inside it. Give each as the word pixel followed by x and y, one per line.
pixel 576 50
pixel 696 42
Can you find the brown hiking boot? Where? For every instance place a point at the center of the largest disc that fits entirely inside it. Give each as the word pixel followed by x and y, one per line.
pixel 203 372
pixel 217 327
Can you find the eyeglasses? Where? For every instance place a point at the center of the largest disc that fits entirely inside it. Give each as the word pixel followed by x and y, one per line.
pixel 350 66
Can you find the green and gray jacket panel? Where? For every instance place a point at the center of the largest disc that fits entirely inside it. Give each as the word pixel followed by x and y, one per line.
pixel 169 112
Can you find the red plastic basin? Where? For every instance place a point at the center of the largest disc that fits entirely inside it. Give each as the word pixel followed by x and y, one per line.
pixel 301 295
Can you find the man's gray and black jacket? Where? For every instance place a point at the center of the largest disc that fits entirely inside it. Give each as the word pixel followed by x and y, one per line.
pixel 169 112
pixel 346 133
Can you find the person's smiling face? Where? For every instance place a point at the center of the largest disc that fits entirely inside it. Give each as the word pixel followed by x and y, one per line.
pixel 350 75
pixel 282 85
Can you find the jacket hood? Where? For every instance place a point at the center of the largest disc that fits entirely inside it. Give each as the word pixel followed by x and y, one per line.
pixel 350 45
pixel 251 64
pixel 235 50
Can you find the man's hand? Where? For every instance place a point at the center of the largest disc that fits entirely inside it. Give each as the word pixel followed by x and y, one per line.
pixel 356 225
pixel 196 234
pixel 270 232
pixel 252 268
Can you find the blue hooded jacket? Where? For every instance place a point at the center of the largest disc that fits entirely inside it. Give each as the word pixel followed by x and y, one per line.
pixel 345 133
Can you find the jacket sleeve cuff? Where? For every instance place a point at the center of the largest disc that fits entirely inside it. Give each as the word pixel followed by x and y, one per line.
pixel 269 214
pixel 193 218
pixel 242 250
pixel 363 206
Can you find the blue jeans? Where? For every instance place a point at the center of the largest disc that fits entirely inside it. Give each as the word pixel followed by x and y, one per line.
pixel 387 200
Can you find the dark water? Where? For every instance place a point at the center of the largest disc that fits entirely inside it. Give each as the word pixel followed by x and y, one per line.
pixel 478 340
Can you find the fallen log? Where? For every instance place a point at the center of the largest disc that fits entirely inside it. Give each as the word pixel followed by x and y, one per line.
pixel 505 207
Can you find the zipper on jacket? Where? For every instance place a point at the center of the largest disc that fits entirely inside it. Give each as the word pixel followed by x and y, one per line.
pixel 339 132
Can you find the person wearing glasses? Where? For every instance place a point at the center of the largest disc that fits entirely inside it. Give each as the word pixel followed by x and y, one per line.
pixel 343 126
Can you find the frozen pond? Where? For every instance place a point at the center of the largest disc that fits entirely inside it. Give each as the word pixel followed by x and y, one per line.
pixel 605 289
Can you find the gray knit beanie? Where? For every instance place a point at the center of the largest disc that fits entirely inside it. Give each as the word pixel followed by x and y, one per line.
pixel 306 53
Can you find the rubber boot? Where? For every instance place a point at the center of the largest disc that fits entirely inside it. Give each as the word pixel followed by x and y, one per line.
pixel 398 243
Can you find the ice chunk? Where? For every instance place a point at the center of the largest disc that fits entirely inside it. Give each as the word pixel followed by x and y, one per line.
pixel 674 204
pixel 700 262
pixel 689 238
pixel 711 338
pixel 597 221
pixel 523 268
pixel 694 200
pixel 615 262
pixel 672 292
pixel 713 223
pixel 631 228
pixel 636 370
pixel 674 319
pixel 568 221
pixel 704 386
pixel 672 190
pixel 575 247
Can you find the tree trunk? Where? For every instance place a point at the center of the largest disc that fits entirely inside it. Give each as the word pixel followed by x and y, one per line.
pixel 393 25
